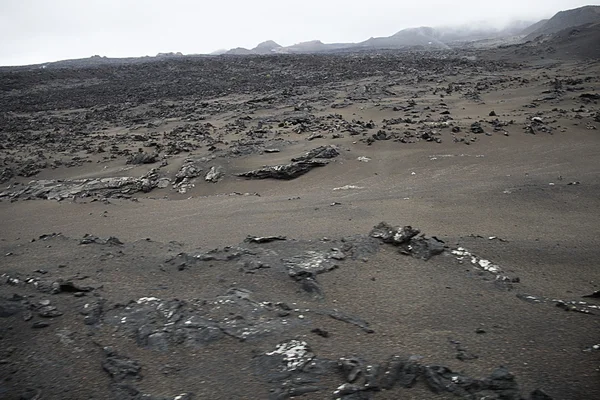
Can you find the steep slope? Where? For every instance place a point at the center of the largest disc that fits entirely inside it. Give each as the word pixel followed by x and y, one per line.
pixel 578 42
pixel 567 19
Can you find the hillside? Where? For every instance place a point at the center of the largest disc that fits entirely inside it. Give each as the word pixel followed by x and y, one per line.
pixel 266 47
pixel 423 36
pixel 578 42
pixel 567 19
pixel 239 51
pixel 532 28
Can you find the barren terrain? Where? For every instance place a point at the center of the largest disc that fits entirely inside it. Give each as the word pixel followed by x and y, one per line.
pixel 203 228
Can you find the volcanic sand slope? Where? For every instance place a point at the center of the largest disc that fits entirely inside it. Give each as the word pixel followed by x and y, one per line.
pixel 523 194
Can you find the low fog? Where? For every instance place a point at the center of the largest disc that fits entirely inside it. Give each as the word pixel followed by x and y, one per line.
pixel 36 31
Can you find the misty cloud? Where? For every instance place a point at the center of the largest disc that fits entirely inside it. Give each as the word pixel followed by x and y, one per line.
pixel 35 31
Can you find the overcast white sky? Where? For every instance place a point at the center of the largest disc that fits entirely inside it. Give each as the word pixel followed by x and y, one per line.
pixel 36 31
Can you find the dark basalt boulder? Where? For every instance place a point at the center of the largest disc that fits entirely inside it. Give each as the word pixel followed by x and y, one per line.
pixel 284 171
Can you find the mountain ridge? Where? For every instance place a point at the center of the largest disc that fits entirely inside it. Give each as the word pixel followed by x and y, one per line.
pixel 567 19
pixel 424 36
pixel 444 37
pixel 475 35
